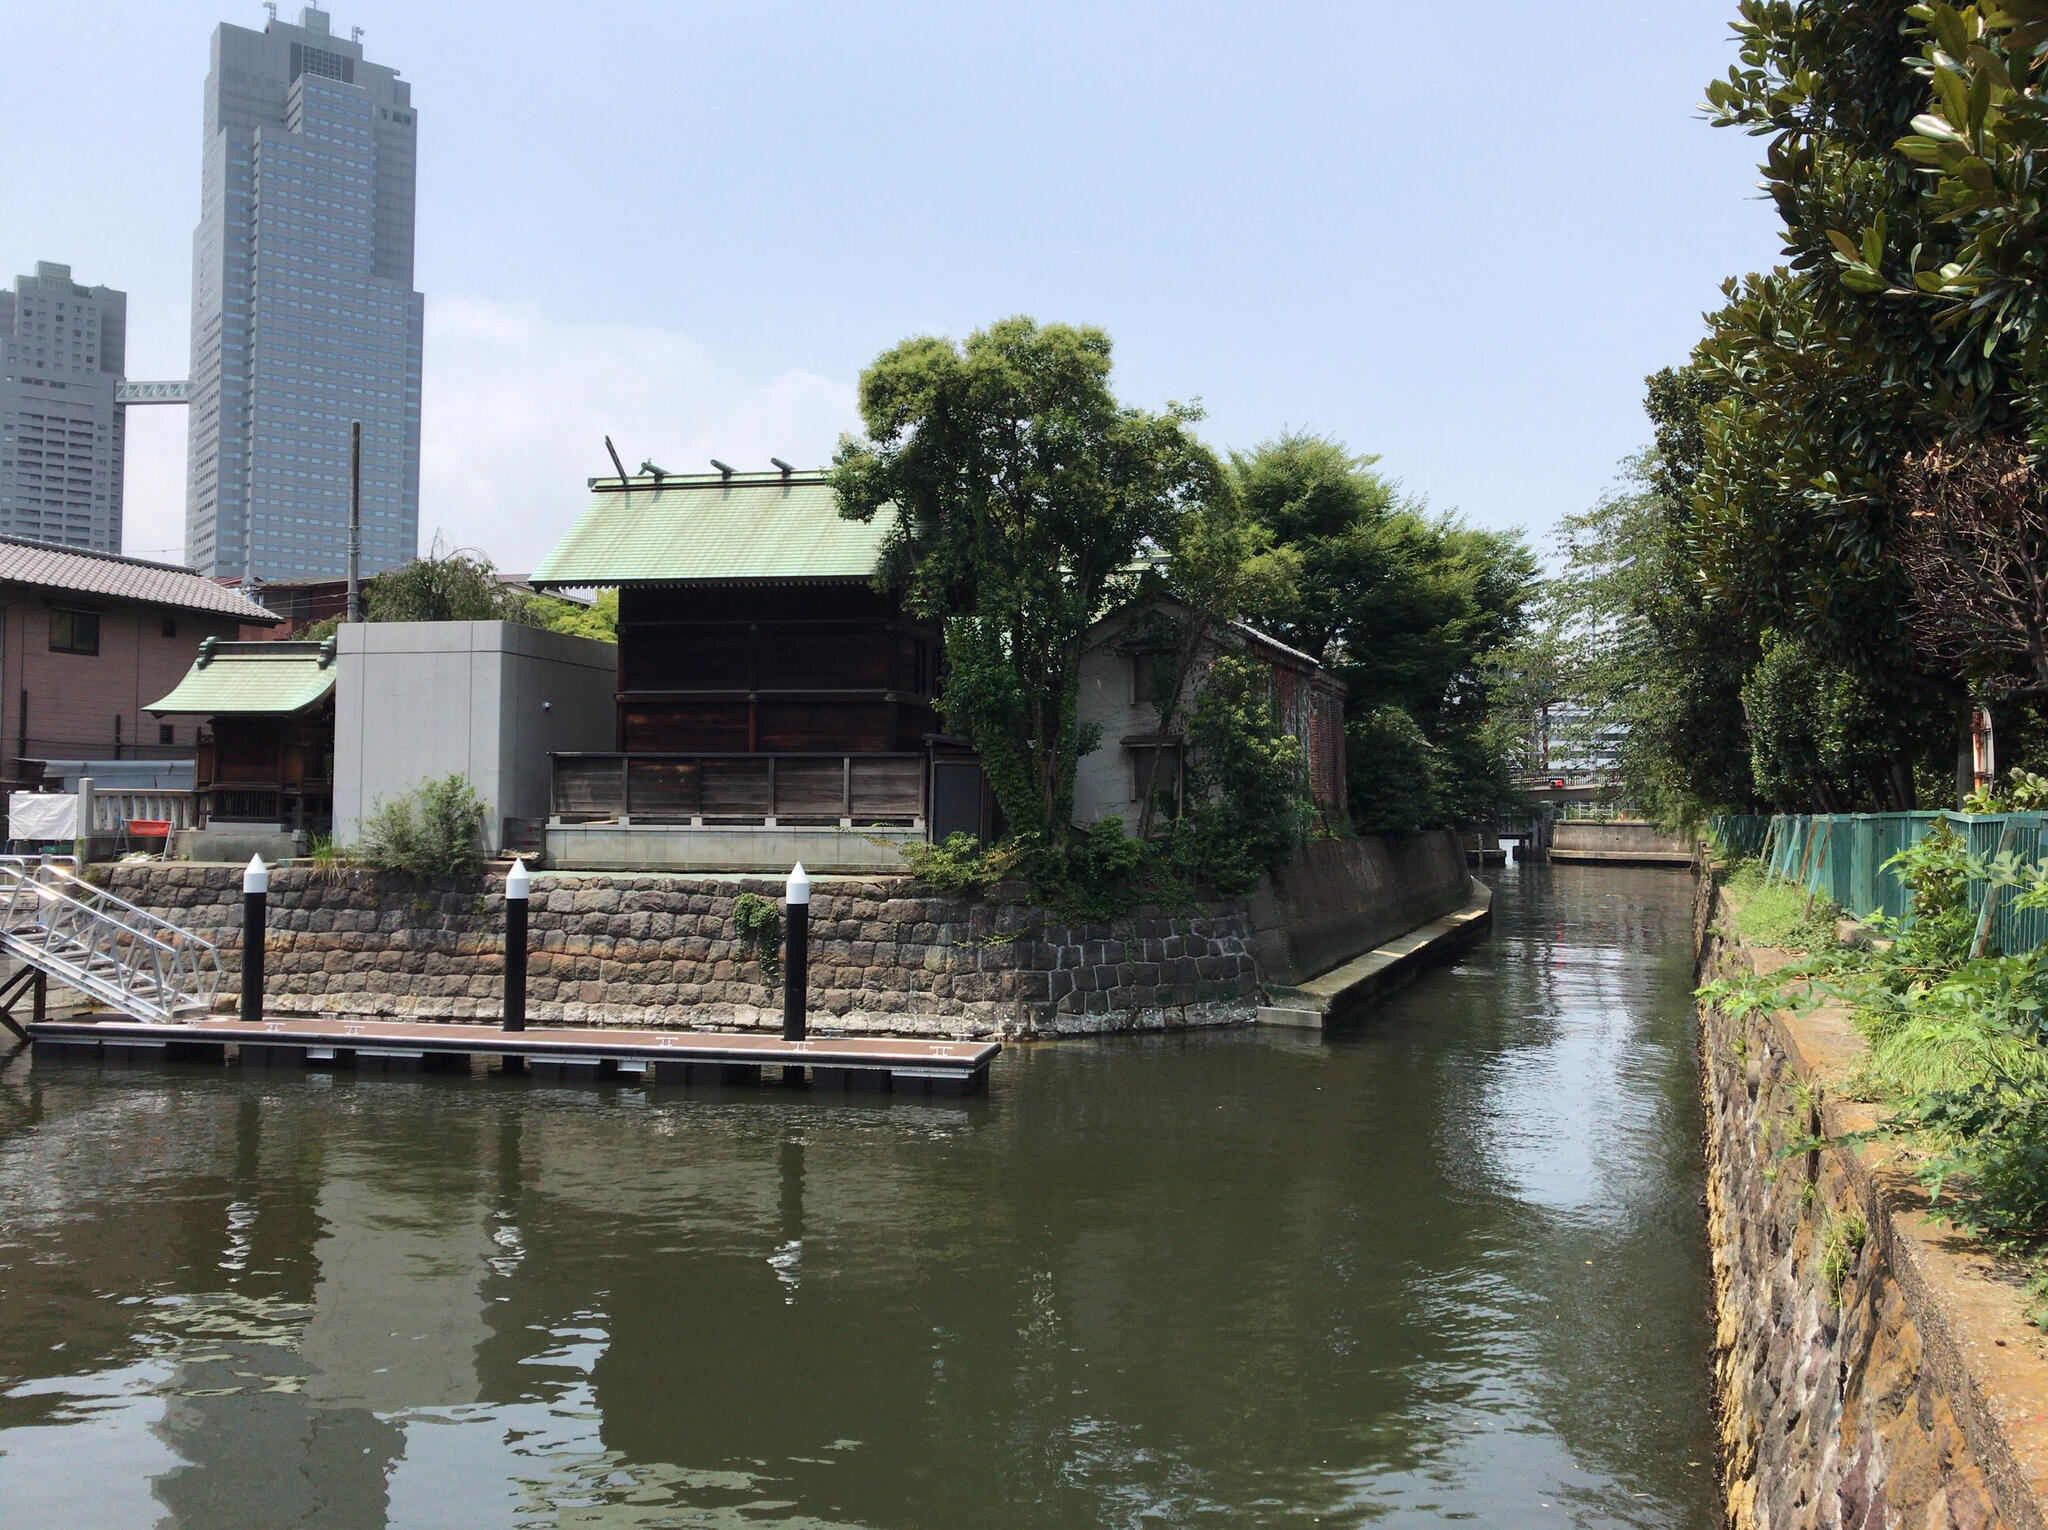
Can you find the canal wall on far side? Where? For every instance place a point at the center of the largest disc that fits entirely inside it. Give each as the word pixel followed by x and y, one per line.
pixel 888 956
pixel 1873 1368
pixel 640 949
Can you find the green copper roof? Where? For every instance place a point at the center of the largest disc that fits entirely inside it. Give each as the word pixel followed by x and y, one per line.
pixel 273 678
pixel 692 528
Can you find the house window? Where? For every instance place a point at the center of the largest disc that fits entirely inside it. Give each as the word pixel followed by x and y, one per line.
pixel 170 626
pixel 166 733
pixel 74 632
pixel 1160 762
pixel 1145 677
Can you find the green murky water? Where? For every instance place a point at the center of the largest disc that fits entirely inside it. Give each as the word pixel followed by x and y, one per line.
pixel 1447 1266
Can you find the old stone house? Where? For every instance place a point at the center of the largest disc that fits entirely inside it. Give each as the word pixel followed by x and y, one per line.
pixel 1120 678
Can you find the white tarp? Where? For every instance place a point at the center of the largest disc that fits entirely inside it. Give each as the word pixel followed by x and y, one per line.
pixel 42 815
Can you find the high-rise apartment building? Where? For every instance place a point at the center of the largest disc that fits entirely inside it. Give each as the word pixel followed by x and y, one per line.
pixel 62 348
pixel 303 313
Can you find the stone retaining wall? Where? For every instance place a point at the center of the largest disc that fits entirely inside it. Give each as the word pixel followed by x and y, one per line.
pixel 1873 1369
pixel 887 958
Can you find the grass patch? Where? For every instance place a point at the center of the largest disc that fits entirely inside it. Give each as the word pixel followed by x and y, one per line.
pixel 1775 914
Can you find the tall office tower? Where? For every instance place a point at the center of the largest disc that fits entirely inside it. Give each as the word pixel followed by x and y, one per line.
pixel 62 347
pixel 303 313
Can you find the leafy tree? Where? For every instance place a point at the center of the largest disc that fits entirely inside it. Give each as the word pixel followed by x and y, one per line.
pixel 1024 493
pixel 1903 150
pixel 1221 566
pixel 1395 772
pixel 1247 781
pixel 456 585
pixel 443 585
pixel 1648 657
pixel 1823 738
pixel 1407 607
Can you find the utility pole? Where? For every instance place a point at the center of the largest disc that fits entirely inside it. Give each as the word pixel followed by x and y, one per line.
pixel 355 520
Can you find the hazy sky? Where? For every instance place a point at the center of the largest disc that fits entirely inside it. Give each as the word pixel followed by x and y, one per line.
pixel 1454 235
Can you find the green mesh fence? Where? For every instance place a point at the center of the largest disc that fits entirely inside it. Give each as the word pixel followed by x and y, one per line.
pixel 1842 856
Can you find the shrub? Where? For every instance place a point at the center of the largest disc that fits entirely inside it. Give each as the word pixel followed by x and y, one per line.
pixel 434 830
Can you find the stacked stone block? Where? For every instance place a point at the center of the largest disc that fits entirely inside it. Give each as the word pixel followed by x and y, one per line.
pixel 887 957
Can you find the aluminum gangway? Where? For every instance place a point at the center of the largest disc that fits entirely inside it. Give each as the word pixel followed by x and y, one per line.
pixel 58 925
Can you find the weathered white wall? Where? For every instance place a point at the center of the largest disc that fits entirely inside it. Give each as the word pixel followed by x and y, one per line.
pixel 1102 780
pixel 487 699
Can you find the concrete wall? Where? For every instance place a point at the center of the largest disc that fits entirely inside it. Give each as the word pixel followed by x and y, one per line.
pixel 489 700
pixel 1873 1366
pixel 1339 898
pixel 1621 840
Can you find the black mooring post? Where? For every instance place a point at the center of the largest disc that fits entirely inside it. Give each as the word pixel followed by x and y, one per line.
pixel 518 891
pixel 255 895
pixel 796 953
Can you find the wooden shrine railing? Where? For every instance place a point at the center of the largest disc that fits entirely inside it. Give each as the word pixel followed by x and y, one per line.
pixel 845 790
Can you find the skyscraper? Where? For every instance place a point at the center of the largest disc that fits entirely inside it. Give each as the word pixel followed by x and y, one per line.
pixel 62 347
pixel 303 313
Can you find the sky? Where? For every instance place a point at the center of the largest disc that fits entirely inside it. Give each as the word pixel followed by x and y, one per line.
pixel 1454 236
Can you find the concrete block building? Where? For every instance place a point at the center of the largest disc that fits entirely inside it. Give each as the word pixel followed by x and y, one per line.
pixel 490 701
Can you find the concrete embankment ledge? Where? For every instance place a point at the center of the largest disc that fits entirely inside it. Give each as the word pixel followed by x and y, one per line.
pixel 1873 1366
pixel 1619 842
pixel 1344 990
pixel 1350 919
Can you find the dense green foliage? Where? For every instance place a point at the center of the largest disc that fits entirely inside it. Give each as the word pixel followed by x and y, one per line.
pixel 451 585
pixel 1842 507
pixel 1958 1030
pixel 1024 494
pixel 1030 504
pixel 434 830
pixel 1247 804
pixel 1409 608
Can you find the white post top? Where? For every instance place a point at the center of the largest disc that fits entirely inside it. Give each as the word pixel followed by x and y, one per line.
pixel 518 884
pixel 798 888
pixel 256 876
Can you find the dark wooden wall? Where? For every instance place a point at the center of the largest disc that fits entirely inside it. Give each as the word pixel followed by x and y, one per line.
pixel 832 669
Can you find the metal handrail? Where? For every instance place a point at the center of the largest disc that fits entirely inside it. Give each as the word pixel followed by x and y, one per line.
pixel 145 966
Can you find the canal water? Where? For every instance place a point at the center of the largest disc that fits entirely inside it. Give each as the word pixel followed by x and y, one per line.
pixel 1447 1265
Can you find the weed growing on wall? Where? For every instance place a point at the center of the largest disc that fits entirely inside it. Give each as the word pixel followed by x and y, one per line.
pixel 758 924
pixel 1958 1036
pixel 434 830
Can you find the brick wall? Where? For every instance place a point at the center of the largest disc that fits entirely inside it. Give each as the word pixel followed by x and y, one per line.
pixel 887 957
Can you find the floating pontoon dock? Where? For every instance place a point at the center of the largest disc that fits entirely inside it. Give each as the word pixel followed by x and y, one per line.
pixel 874 1063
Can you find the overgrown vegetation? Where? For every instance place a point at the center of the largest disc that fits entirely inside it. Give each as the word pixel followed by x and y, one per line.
pixel 1030 503
pixel 757 921
pixel 1780 914
pixel 447 584
pixel 1958 1029
pixel 1838 542
pixel 433 831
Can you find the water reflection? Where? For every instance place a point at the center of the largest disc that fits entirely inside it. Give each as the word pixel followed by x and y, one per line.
pixel 1448 1264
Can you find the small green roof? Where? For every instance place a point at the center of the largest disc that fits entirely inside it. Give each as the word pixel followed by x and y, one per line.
pixel 713 528
pixel 276 679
